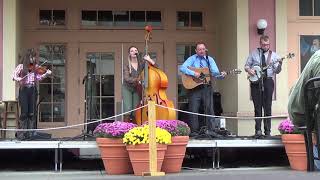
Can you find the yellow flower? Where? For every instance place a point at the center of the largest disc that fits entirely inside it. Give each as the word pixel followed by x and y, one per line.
pixel 140 135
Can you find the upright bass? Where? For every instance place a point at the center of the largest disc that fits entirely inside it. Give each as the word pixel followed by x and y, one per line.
pixel 154 84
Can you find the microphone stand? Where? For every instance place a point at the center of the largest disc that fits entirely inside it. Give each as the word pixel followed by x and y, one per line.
pixel 87 108
pixel 261 88
pixel 208 88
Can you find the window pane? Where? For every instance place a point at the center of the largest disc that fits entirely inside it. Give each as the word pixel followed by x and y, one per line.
pixel 107 107
pixel 89 18
pixel 45 17
pixel 45 93
pixel 58 74
pixel 107 74
pixel 59 17
pixel 121 18
pixel 196 19
pixel 58 93
pixel 105 18
pixel 107 85
pixel 137 18
pixel 45 112
pixel 317 7
pixel 58 112
pixel 95 108
pixel 107 64
pixel 154 18
pixel 183 19
pixel 182 53
pixel 305 7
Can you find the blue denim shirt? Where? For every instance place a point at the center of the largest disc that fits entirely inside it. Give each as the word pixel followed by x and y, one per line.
pixel 196 61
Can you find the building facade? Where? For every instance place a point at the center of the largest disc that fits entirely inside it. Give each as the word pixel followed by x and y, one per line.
pixel 78 39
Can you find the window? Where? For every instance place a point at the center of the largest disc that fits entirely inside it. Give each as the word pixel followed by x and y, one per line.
pixel 51 106
pixel 189 19
pixel 121 18
pixel 183 51
pixel 309 7
pixel 52 17
pixel 99 86
pixel 89 18
pixel 309 44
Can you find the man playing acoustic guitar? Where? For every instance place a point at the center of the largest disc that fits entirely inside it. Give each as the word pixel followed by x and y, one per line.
pixel 201 94
pixel 262 89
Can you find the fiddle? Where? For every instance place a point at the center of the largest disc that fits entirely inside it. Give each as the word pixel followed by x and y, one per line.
pixel 38 69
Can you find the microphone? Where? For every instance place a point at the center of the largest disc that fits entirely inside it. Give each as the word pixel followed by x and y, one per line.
pixel 137 54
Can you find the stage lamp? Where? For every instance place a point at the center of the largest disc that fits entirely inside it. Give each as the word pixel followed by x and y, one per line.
pixel 261 26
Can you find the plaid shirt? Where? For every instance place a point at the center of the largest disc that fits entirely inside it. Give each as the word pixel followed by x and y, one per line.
pixel 29 79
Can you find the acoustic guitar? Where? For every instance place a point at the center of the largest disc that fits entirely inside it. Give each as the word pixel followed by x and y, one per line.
pixel 190 82
pixel 256 77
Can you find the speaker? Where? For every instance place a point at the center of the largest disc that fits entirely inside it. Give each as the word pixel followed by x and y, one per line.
pixel 39 136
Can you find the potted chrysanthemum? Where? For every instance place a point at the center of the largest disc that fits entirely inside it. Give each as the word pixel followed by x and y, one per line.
pixel 137 144
pixel 294 144
pixel 113 152
pixel 175 153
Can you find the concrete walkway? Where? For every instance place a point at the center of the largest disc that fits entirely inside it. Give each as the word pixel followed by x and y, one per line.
pixel 223 174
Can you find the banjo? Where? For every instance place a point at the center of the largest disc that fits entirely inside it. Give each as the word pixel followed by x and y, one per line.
pixel 256 77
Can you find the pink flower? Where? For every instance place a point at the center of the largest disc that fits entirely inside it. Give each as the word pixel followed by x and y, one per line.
pixel 113 130
pixel 287 127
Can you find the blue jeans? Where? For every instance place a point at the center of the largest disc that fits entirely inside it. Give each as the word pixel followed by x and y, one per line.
pixel 316 162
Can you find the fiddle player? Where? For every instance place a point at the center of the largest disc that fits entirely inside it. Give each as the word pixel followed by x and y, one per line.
pixel 131 74
pixel 26 75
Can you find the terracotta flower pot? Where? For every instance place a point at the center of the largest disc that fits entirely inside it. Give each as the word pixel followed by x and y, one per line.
pixel 175 154
pixel 114 155
pixel 296 151
pixel 139 157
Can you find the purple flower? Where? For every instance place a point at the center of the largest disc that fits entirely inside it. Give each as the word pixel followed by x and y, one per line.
pixel 174 127
pixel 113 130
pixel 287 127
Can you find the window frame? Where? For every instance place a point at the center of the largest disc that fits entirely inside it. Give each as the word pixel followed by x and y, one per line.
pixel 190 27
pixel 48 123
pixel 311 18
pixel 42 26
pixel 190 44
pixel 128 27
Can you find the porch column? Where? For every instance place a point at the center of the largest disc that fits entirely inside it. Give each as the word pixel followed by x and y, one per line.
pixel 9 45
pixel 1 48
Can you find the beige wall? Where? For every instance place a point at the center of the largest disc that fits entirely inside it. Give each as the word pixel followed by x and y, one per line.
pixel 244 104
pixel 73 36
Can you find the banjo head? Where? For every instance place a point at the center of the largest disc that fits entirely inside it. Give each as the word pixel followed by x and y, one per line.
pixel 257 76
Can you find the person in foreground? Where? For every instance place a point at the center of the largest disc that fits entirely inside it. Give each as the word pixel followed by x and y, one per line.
pixel 296 104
